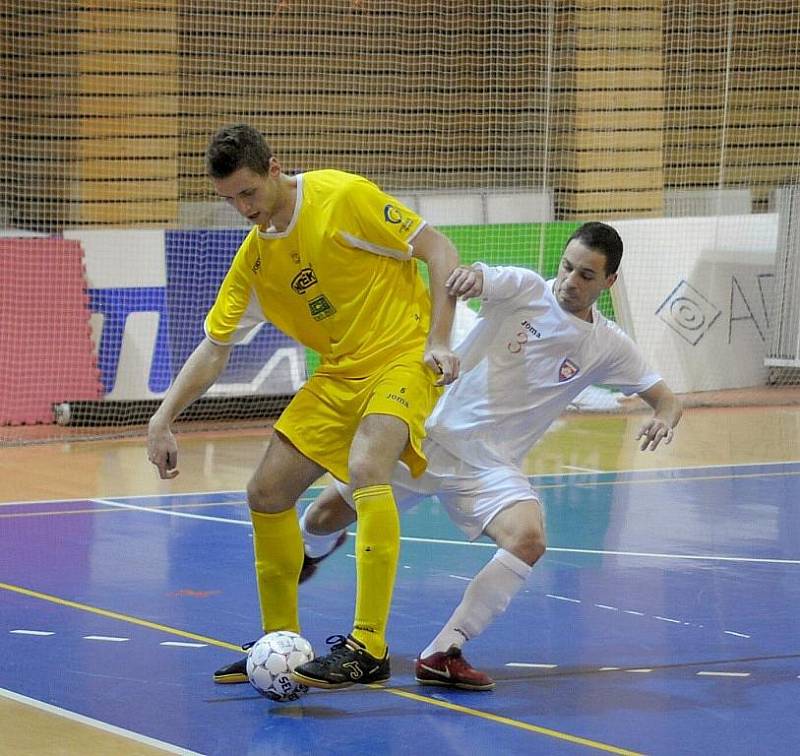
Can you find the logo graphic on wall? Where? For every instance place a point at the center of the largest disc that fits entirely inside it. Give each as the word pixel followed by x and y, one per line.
pixel 304 280
pixel 567 370
pixel 321 308
pixel 687 312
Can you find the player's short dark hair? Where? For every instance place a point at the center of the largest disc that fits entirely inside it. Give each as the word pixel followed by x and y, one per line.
pixel 235 147
pixel 601 238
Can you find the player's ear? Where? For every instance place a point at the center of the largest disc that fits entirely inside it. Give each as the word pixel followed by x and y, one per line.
pixel 610 280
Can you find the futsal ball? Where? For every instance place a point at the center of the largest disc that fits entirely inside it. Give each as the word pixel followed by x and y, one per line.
pixel 271 659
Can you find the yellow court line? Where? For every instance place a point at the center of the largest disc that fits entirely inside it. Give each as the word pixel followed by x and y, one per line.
pixel 118 509
pixel 117 616
pixel 394 691
pixel 507 721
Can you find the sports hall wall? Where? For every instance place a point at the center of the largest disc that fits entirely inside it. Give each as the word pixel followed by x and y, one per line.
pixel 507 123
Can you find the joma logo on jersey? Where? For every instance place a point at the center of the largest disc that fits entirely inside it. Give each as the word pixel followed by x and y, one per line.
pixel 321 308
pixel 257 265
pixel 530 328
pixel 304 280
pixel 398 399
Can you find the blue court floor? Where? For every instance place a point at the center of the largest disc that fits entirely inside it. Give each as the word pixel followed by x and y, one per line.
pixel 664 619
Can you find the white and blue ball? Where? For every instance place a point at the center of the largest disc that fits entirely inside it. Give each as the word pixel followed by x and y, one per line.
pixel 270 661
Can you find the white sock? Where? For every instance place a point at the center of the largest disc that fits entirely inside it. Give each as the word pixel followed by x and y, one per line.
pixel 486 597
pixel 316 545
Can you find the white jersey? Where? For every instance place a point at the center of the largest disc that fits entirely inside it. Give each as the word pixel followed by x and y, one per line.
pixel 522 363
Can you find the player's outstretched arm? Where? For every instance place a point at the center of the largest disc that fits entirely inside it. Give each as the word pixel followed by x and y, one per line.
pixel 196 376
pixel 667 410
pixel 441 257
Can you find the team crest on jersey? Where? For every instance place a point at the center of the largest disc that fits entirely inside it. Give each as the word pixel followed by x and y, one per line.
pixel 567 370
pixel 304 280
pixel 392 215
pixel 321 308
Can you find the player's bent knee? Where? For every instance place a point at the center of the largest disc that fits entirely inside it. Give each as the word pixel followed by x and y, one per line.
pixel 264 501
pixel 527 545
pixel 520 530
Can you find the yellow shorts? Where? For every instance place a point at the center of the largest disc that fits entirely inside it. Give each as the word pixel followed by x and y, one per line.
pixel 324 415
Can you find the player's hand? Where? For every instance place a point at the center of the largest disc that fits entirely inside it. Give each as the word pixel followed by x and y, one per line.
pixel 465 282
pixel 443 361
pixel 652 433
pixel 162 451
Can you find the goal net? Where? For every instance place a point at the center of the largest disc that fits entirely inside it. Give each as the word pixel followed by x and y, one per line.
pixel 504 123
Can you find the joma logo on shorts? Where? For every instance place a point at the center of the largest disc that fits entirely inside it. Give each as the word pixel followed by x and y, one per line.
pixel 397 398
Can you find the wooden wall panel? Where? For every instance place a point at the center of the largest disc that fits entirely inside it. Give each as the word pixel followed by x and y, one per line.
pixel 107 106
pixel 612 97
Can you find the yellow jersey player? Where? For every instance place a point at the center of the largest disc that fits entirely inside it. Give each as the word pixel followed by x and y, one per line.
pixel 332 262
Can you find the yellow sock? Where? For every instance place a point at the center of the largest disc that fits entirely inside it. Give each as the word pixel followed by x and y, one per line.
pixel 377 551
pixel 278 548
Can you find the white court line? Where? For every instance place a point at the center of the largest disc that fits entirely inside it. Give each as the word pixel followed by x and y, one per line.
pixel 585 469
pixel 657 555
pixel 109 638
pixel 601 552
pixel 170 513
pixel 531 666
pixel 738 635
pixel 452 542
pixel 183 645
pixel 114 730
pixel 724 674
pixel 563 598
pixel 32 632
pixel 126 498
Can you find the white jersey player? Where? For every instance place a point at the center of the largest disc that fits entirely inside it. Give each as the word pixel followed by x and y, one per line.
pixel 534 347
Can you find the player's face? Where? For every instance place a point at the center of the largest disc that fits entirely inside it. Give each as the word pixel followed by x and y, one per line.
pixel 581 279
pixel 254 196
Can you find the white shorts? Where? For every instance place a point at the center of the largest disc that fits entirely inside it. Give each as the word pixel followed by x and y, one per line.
pixel 471 495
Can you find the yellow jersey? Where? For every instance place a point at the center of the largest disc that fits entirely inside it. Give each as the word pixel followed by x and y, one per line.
pixel 340 279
